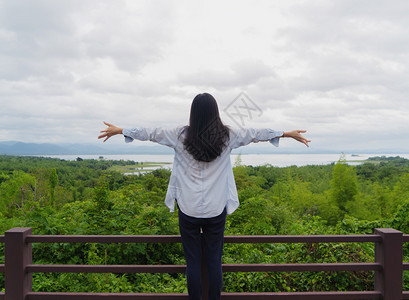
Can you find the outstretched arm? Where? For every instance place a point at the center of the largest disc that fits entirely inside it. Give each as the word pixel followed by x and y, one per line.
pixel 111 130
pixel 167 137
pixel 296 135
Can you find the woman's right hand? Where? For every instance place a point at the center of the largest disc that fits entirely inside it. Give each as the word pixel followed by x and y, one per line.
pixel 111 130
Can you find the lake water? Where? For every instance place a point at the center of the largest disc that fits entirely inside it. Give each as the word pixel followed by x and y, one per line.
pixel 278 160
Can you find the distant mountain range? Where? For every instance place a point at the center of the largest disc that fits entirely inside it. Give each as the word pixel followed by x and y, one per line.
pixel 20 148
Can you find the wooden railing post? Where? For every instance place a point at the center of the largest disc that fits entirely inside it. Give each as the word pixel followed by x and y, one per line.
pixel 388 252
pixel 18 254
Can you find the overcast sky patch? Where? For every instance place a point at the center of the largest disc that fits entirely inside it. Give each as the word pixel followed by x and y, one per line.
pixel 338 69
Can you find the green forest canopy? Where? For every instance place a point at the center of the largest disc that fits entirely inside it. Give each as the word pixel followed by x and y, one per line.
pixel 55 196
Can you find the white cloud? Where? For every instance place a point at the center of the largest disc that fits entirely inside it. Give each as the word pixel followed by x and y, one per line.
pixel 338 69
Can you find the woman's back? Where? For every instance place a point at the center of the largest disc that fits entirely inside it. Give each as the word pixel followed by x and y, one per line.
pixel 202 182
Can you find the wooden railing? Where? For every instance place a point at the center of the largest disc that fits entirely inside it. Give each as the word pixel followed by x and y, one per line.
pixel 388 266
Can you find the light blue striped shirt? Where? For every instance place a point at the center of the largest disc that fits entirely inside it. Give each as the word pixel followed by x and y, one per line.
pixel 202 189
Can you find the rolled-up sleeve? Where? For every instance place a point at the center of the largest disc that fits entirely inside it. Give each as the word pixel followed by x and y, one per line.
pixel 167 137
pixel 245 136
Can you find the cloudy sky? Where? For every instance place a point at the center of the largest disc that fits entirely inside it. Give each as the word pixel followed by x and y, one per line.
pixel 338 69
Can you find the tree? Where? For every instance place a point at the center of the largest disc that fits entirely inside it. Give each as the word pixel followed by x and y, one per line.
pixel 18 191
pixel 344 184
pixel 101 195
pixel 53 179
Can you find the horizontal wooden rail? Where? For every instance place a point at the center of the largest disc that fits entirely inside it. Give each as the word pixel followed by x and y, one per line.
pixel 99 296
pixel 227 239
pixel 103 239
pixel 225 296
pixel 285 239
pixel 106 268
pixel 182 268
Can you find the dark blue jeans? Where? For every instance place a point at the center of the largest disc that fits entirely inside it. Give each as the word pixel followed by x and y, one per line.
pixel 213 233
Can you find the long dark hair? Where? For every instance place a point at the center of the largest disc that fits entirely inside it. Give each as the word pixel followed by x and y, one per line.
pixel 206 136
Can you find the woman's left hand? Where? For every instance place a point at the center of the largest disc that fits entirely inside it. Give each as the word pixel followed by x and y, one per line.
pixel 296 135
